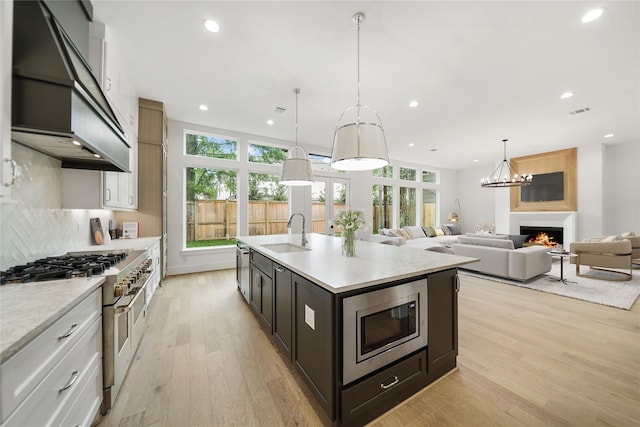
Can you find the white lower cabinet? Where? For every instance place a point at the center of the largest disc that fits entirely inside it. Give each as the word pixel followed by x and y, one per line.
pixel 57 377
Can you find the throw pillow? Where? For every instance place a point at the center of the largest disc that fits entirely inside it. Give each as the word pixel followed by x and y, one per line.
pixel 446 230
pixel 384 231
pixel 429 231
pixel 403 233
pixel 414 231
pixel 454 229
pixel 612 238
pixel 393 232
pixel 518 240
pixel 628 234
pixel 439 231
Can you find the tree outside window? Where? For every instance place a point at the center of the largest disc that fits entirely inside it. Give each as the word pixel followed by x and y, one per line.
pixel 210 146
pixel 385 172
pixel 265 154
pixel 407 174
pixel 382 207
pixel 428 207
pixel 407 206
pixel 211 207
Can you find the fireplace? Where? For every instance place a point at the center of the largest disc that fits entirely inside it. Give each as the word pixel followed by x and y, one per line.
pixel 554 233
pixel 567 221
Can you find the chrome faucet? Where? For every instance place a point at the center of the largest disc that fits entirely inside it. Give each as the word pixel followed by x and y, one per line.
pixel 304 239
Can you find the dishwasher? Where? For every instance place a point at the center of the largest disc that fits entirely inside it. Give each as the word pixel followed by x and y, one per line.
pixel 242 269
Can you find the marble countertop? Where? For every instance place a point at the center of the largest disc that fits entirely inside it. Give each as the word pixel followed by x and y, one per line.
pixel 373 264
pixel 27 309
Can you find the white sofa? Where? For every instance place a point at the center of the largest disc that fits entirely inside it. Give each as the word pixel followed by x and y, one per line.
pixel 499 258
pixel 411 236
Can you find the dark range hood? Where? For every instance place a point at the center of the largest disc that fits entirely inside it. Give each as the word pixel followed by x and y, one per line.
pixel 57 105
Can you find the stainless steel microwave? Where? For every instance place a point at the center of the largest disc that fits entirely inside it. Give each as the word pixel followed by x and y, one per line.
pixel 382 326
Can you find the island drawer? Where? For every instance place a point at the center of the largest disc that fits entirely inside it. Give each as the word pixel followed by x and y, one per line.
pixel 262 262
pixel 372 397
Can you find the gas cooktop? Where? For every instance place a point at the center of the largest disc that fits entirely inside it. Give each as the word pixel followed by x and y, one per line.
pixel 62 267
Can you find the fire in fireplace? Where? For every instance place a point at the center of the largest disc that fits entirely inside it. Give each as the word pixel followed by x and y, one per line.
pixel 548 236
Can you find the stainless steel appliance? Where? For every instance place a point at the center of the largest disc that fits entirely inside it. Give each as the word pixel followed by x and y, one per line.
pixel 242 269
pixel 127 274
pixel 382 326
pixel 123 318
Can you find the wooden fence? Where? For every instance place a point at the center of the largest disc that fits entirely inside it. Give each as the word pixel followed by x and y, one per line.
pixel 216 219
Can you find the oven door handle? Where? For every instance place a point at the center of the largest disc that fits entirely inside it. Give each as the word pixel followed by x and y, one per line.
pixel 127 308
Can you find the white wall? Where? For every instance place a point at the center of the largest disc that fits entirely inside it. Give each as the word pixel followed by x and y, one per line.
pixel 621 200
pixel 605 206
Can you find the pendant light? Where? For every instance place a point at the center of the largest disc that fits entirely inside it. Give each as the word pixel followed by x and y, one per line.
pixel 296 169
pixel 359 142
pixel 505 175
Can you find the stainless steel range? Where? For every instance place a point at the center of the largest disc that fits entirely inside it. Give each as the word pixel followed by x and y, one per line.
pixel 123 318
pixel 127 274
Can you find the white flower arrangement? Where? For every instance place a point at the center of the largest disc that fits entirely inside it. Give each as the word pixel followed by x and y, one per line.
pixel 350 219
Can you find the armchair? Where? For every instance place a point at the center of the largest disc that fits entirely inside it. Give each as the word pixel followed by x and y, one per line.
pixel 603 255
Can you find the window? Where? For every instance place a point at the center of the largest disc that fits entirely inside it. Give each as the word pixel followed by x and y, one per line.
pixel 382 207
pixel 218 147
pixel 327 196
pixel 385 172
pixel 428 207
pixel 268 205
pixel 265 154
pixel 407 174
pixel 211 207
pixel 407 206
pixel 428 176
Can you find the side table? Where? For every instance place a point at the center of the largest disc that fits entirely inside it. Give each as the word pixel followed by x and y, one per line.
pixel 562 256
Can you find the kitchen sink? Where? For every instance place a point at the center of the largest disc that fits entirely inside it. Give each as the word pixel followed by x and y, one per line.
pixel 285 248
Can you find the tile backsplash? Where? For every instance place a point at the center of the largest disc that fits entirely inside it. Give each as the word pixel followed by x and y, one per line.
pixel 33 223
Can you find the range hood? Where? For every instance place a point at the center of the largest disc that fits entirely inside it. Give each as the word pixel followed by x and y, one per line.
pixel 57 105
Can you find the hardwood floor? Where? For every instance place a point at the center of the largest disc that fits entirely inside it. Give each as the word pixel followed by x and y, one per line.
pixel 526 358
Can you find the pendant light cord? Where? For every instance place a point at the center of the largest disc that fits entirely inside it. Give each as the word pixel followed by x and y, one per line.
pixel 296 91
pixel 358 62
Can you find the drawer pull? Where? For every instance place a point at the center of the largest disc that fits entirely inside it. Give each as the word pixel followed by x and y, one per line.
pixel 280 269
pixel 395 381
pixel 74 377
pixel 74 326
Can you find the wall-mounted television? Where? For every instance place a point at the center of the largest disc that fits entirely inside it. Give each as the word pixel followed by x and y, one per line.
pixel 545 187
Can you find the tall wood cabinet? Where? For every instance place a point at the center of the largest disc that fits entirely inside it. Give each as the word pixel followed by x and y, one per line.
pixel 152 175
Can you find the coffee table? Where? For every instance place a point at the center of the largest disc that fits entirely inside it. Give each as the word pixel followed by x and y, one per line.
pixel 562 256
pixel 635 261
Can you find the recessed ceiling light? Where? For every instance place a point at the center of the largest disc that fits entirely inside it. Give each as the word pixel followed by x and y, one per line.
pixel 203 107
pixel 475 160
pixel 566 95
pixel 75 142
pixel 413 104
pixel 211 25
pixel 609 135
pixel 411 144
pixel 433 149
pixel 270 122
pixel 592 15
pixel 96 155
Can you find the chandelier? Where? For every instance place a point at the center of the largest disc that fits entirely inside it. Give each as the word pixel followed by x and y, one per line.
pixel 505 175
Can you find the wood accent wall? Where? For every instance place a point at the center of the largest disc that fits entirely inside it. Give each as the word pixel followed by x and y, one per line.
pixel 554 161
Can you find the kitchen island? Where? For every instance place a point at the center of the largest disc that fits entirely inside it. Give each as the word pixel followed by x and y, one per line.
pixel 358 360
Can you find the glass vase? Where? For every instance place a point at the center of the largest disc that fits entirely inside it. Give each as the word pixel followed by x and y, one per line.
pixel 349 243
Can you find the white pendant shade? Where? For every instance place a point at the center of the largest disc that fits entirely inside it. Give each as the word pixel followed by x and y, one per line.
pixel 296 169
pixel 359 143
pixel 358 147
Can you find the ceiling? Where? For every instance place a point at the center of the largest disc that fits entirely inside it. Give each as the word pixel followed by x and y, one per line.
pixel 481 71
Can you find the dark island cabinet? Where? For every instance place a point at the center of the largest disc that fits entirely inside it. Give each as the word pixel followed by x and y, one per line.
pixel 314 334
pixel 261 289
pixel 442 349
pixel 283 309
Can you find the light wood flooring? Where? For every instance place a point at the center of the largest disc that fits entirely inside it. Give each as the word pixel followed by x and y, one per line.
pixel 526 358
